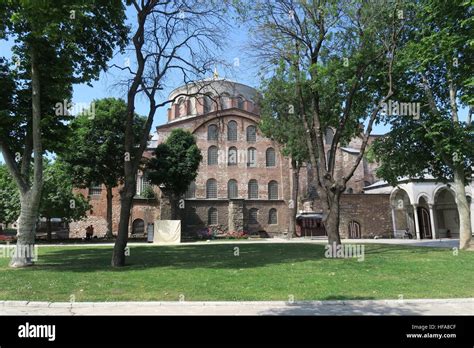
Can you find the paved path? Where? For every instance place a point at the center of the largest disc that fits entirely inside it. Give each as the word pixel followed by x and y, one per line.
pixel 441 243
pixel 352 307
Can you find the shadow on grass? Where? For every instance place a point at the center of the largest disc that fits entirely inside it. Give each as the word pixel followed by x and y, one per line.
pixel 222 256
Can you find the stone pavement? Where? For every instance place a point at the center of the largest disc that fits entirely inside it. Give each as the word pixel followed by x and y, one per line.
pixel 350 307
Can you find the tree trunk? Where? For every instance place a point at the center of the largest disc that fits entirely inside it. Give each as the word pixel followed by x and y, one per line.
pixel 465 233
pixel 295 171
pixel 332 219
pixel 109 234
pixel 49 230
pixel 26 232
pixel 30 197
pixel 126 201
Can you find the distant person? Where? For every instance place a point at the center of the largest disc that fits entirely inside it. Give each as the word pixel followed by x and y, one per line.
pixel 89 232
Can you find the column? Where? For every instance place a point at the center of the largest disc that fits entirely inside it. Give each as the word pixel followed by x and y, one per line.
pixel 415 218
pixel 394 224
pixel 432 221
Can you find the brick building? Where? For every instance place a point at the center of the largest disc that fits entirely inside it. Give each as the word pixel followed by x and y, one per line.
pixel 243 182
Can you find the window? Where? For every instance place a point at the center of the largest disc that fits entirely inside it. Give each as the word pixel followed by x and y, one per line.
pixel 95 189
pixel 240 102
pixel 232 160
pixel 253 189
pixel 138 226
pixel 270 157
pixel 191 192
pixel 328 136
pixel 272 217
pixel 181 107
pixel 212 216
pixel 211 188
pixel 251 134
pixel 212 155
pixel 225 101
pixel 350 190
pixel 232 131
pixel 252 157
pixel 253 216
pixel 367 183
pixel 232 190
pixel 212 132
pixel 207 104
pixel 354 230
pixel 142 184
pixel 273 190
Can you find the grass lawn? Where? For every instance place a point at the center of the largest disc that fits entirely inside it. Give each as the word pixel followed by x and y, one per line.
pixel 260 272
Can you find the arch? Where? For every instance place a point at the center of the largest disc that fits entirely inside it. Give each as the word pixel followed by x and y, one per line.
pixel 232 156
pixel 207 101
pixel 272 216
pixel 212 132
pixel 232 131
pixel 240 102
pixel 273 190
pixel 212 155
pixel 138 226
pixel 212 217
pixel 181 107
pixel 224 100
pixel 349 190
pixel 422 195
pixel 191 191
pixel 354 230
pixel 253 216
pixel 211 188
pixel 253 189
pixel 270 157
pixel 398 194
pixel 232 189
pixel 251 157
pixel 251 134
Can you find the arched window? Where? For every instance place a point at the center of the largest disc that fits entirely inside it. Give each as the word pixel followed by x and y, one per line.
pixel 191 191
pixel 253 216
pixel 212 216
pixel 272 217
pixel 367 183
pixel 252 157
pixel 211 188
pixel 212 155
pixel 349 190
pixel 253 189
pixel 273 190
pixel 95 189
pixel 355 231
pixel 212 132
pixel 225 101
pixel 328 136
pixel 232 157
pixel 270 157
pixel 232 131
pixel 181 106
pixel 232 190
pixel 138 226
pixel 207 104
pixel 240 102
pixel 251 134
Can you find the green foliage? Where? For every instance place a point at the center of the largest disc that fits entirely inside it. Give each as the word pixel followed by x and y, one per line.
pixel 58 199
pixel 9 197
pixel 148 193
pixel 95 152
pixel 175 162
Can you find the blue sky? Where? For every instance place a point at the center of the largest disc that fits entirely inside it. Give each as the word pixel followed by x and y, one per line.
pixel 237 45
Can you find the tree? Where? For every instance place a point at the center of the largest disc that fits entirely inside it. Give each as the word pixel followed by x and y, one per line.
pixel 56 44
pixel 177 38
pixel 9 197
pixel 339 56
pixel 280 122
pixel 438 142
pixel 175 165
pixel 58 199
pixel 94 153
